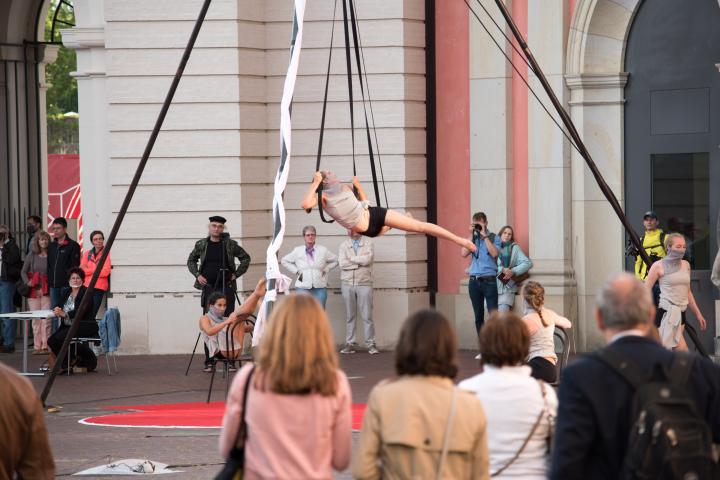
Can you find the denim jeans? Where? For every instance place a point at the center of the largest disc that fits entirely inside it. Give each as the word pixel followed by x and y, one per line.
pixel 56 294
pixel 320 294
pixel 9 325
pixel 483 290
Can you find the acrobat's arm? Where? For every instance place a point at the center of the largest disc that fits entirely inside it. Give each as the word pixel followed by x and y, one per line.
pixel 310 199
pixel 361 193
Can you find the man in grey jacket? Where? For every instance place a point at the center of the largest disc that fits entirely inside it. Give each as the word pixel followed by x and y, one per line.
pixel 356 259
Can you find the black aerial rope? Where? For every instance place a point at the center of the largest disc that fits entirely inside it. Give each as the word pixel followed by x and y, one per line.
pixel 322 120
pixel 87 298
pixel 348 62
pixel 372 113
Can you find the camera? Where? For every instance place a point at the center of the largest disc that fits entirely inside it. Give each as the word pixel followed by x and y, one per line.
pixel 477 231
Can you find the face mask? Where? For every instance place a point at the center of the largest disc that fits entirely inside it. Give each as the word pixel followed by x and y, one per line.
pixel 675 254
pixel 75 285
pixel 219 312
pixel 30 229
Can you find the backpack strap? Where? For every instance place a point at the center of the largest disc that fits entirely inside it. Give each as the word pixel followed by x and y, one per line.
pixel 626 369
pixel 680 368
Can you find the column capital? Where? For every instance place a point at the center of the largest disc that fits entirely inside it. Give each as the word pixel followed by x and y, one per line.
pixel 596 80
pixel 597 88
pixel 83 37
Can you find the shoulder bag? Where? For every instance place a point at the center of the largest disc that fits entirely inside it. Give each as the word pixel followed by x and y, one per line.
pixel 448 434
pixel 545 411
pixel 235 464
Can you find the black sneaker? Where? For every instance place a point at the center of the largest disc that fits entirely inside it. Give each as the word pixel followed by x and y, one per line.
pixel 6 349
pixel 232 367
pixel 208 368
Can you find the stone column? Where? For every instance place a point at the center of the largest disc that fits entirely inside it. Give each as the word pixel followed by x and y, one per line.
pixel 549 162
pixel 87 38
pixel 596 106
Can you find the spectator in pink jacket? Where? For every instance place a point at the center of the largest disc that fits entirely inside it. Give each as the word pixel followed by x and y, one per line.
pixel 88 263
pixel 298 405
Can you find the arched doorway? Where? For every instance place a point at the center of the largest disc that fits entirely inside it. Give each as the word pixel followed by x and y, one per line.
pixel 672 130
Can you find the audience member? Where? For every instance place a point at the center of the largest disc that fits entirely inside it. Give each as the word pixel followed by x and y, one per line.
pixel 298 406
pixel 482 286
pixel 356 261
pixel 596 403
pixel 25 451
pixel 419 425
pixel 653 242
pixel 212 263
pixel 33 224
pixel 34 274
pixel 512 265
pixel 89 262
pixel 311 263
pixel 216 329
pixel 10 267
pixel 673 275
pixel 541 323
pixel 520 410
pixel 63 254
pixel 66 309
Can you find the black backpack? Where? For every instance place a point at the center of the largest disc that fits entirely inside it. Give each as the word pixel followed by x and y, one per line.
pixel 669 439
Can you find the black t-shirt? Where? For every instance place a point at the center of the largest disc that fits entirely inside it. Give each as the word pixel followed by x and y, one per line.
pixel 213 263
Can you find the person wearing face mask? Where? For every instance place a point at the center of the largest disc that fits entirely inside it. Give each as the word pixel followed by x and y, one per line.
pixel 66 309
pixel 673 275
pixel 34 274
pixel 89 262
pixel 512 267
pixel 214 324
pixel 33 224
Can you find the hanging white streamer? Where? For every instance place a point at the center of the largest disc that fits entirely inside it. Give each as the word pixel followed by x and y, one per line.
pixel 282 283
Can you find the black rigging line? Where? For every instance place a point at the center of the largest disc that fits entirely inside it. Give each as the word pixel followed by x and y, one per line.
pixel 567 136
pixel 369 100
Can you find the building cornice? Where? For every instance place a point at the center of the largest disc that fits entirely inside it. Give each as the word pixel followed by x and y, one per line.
pixel 596 80
pixel 83 37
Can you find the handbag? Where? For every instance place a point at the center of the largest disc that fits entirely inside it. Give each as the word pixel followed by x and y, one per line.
pixel 448 433
pixel 235 464
pixel 23 288
pixel 551 421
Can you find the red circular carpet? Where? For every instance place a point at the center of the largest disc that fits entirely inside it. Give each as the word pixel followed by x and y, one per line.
pixel 180 415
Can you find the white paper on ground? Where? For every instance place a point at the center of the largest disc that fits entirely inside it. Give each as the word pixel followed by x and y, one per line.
pixel 129 466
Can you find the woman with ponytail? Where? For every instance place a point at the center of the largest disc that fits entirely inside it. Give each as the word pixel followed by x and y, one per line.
pixel 541 322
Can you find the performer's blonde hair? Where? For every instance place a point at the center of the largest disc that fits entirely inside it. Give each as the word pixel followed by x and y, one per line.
pixel 670 240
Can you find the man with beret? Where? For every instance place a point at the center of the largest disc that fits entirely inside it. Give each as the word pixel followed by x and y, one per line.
pixel 212 263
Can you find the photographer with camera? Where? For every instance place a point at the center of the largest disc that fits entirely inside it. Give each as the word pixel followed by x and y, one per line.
pixel 653 243
pixel 482 286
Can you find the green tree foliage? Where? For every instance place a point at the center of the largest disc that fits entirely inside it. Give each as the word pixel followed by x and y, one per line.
pixel 62 94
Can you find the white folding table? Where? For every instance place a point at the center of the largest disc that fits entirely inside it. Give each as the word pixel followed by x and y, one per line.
pixel 26 317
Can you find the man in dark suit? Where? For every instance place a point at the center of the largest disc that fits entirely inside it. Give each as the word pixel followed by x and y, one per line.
pixel 595 403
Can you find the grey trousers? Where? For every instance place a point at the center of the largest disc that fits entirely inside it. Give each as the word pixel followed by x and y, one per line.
pixel 358 298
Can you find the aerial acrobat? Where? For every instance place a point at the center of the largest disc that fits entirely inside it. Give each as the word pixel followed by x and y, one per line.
pixel 354 212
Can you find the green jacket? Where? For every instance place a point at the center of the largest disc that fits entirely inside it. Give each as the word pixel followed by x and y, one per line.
pixel 233 251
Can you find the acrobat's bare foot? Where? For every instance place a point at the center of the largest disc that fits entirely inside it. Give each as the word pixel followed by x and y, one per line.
pixel 470 246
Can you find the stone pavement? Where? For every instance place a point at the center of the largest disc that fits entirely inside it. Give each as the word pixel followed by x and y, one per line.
pixel 154 380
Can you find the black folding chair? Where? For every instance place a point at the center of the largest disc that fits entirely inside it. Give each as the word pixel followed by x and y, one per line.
pixel 230 342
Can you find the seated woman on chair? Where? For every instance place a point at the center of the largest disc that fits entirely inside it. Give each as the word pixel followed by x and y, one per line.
pixel 354 213
pixel 66 310
pixel 215 328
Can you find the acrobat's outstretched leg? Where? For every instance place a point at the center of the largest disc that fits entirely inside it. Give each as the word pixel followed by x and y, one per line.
pixel 394 219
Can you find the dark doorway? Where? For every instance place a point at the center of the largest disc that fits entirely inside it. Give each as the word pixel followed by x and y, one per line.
pixel 672 131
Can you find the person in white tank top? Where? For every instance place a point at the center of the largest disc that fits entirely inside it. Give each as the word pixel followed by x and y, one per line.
pixel 354 213
pixel 541 323
pixel 673 273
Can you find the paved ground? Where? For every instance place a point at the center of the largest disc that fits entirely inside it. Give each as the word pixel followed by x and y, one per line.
pixel 161 379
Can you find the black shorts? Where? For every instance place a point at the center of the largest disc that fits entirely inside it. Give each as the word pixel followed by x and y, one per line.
pixel 543 369
pixel 376 221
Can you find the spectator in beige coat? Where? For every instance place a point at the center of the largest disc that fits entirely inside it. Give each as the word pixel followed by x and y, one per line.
pixel 419 425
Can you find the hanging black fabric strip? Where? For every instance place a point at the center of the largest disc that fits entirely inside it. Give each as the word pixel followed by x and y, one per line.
pixel 353 19
pixel 322 119
pixel 349 77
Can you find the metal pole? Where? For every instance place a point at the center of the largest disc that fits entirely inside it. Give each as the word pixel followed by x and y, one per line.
pixel 87 299
pixel 567 121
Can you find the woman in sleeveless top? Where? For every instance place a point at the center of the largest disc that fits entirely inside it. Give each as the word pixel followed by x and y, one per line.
pixel 673 275
pixel 540 323
pixel 354 213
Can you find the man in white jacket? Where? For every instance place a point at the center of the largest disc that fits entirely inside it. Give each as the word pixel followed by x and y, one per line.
pixel 311 263
pixel 356 259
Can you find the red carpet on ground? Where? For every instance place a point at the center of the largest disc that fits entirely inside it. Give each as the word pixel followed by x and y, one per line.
pixel 180 415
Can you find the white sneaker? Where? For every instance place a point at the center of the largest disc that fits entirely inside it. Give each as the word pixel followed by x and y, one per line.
pixel 478 356
pixel 348 348
pixel 372 350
